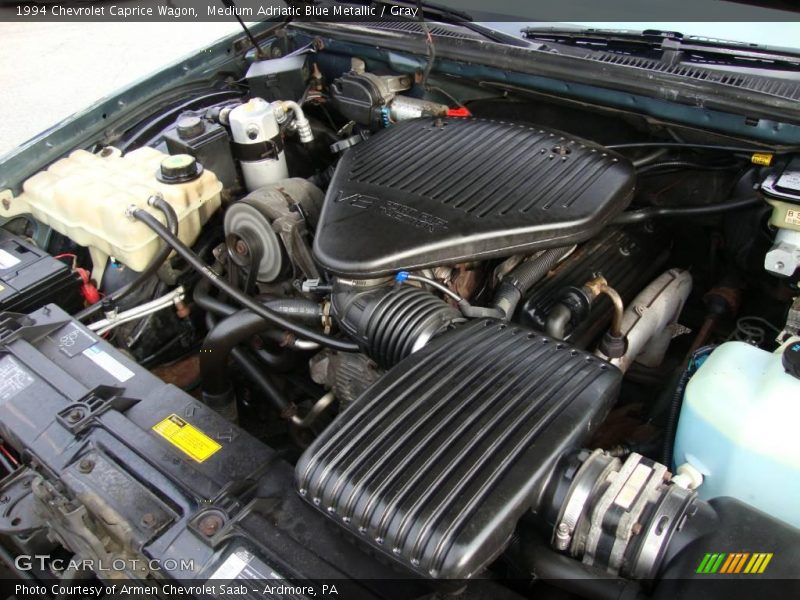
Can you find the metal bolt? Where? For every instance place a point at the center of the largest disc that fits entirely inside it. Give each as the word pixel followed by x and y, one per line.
pixel 148 519
pixel 240 247
pixel 562 537
pixel 86 465
pixel 75 416
pixel 209 525
pixel 4 499
pixel 636 529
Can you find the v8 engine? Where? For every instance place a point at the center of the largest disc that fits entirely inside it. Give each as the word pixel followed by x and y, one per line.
pixel 414 332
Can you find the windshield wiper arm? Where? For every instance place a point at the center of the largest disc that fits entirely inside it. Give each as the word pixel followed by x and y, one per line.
pixel 671 45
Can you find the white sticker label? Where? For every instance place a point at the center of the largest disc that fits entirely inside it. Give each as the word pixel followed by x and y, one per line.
pixel 231 568
pixel 242 566
pixel 7 260
pixel 108 363
pixel 13 378
pixel 792 217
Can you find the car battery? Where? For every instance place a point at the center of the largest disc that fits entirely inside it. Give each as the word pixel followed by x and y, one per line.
pixel 31 278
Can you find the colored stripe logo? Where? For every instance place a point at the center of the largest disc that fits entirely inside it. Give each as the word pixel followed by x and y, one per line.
pixel 732 563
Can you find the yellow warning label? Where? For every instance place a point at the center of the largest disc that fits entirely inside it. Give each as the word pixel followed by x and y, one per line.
pixel 761 158
pixel 186 437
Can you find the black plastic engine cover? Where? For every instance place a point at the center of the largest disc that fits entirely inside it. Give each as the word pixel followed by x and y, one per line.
pixel 435 463
pixel 434 191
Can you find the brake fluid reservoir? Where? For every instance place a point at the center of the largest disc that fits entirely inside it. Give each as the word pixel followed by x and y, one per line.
pixel 738 427
pixel 85 196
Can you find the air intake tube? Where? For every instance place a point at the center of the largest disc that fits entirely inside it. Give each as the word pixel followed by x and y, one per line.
pixel 630 518
pixel 390 322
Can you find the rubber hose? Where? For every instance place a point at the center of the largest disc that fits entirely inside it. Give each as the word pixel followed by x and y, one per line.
pixel 150 270
pixel 689 145
pixel 517 283
pixel 557 321
pixel 269 315
pixel 280 361
pixel 222 338
pixel 256 374
pixel 301 309
pixel 672 418
pixel 637 216
pixel 566 573
pixel 531 271
pixel 686 164
pixel 649 158
pixel 203 298
pixel 274 361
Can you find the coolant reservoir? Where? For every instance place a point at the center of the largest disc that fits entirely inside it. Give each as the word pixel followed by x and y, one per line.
pixel 738 427
pixel 84 196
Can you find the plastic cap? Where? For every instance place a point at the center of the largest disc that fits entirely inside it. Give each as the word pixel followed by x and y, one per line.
pixel 190 127
pixel 179 168
pixel 791 359
pixel 461 111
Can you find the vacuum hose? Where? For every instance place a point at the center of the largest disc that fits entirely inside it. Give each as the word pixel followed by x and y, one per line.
pixel 644 214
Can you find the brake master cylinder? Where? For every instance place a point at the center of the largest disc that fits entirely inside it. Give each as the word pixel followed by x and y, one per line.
pixel 783 193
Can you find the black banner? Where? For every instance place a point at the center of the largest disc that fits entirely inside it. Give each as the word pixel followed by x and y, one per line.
pixel 340 11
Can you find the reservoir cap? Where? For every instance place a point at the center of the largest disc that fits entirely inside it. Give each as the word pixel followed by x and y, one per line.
pixel 190 126
pixel 179 168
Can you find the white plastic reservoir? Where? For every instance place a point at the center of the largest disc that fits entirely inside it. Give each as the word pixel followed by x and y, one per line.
pixel 84 196
pixel 739 427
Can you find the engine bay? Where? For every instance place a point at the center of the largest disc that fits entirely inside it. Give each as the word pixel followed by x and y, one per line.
pixel 361 323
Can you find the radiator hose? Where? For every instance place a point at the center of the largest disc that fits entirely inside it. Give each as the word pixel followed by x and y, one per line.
pixel 219 346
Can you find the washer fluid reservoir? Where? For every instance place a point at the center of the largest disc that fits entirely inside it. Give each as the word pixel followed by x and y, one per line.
pixel 84 196
pixel 738 427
